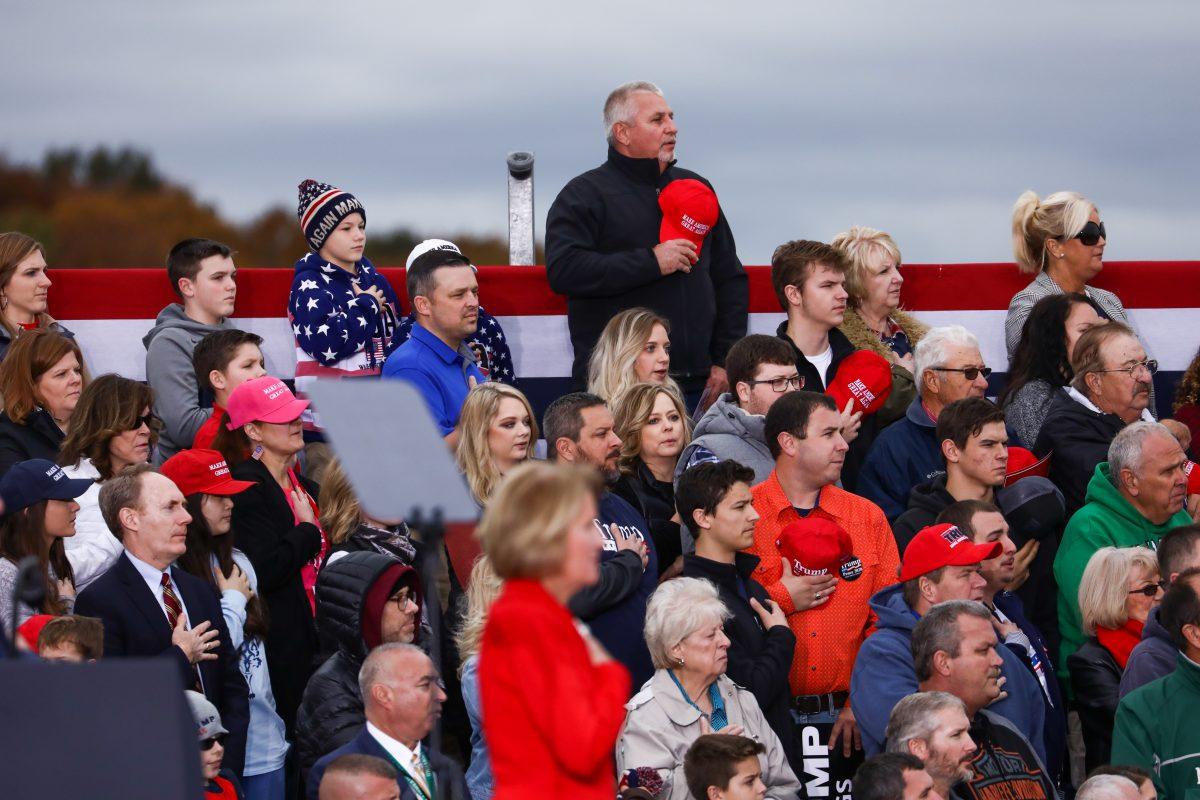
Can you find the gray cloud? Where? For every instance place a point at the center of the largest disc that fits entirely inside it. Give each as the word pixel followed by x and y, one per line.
pixel 926 119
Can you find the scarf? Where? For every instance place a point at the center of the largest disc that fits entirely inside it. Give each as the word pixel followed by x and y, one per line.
pixel 1120 641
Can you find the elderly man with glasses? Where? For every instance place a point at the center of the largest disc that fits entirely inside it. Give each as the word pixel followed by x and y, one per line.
pixel 1109 390
pixel 1133 499
pixel 949 367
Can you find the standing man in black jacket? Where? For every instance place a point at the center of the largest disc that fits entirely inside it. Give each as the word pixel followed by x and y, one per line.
pixel 603 250
pixel 715 500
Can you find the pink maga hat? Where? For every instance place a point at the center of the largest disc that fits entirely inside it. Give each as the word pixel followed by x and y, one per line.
pixel 264 399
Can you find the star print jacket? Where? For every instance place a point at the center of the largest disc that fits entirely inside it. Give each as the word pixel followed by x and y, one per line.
pixel 338 331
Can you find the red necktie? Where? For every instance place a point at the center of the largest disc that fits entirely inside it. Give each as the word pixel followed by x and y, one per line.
pixel 174 612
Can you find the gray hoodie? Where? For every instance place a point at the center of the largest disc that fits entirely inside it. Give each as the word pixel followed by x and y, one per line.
pixel 727 431
pixel 169 346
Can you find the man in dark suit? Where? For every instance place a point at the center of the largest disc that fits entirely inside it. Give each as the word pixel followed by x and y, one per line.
pixel 151 609
pixel 403 696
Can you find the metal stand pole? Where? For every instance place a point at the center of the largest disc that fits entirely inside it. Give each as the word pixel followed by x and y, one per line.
pixel 520 209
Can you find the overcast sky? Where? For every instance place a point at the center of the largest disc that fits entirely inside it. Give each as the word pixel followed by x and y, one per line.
pixel 926 119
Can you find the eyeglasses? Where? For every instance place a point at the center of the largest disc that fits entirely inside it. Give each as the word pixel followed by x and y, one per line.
pixel 149 420
pixel 1150 365
pixel 207 744
pixel 1091 234
pixel 781 385
pixel 1150 589
pixel 970 373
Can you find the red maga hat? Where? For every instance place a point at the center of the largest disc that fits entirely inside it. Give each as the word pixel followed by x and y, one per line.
pixel 1193 473
pixel 689 210
pixel 202 472
pixel 819 546
pixel 1023 463
pixel 940 546
pixel 865 378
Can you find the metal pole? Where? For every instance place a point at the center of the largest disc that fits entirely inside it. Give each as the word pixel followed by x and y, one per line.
pixel 520 208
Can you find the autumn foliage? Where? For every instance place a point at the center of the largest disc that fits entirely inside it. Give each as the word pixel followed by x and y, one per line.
pixel 107 208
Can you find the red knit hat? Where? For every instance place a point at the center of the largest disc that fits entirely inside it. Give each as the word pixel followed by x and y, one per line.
pixel 1023 463
pixel 819 546
pixel 864 377
pixel 390 581
pixel 943 546
pixel 689 210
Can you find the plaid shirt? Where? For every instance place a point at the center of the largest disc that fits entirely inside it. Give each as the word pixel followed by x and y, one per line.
pixel 828 636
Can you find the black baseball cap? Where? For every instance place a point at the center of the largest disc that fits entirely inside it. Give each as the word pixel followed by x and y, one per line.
pixel 35 480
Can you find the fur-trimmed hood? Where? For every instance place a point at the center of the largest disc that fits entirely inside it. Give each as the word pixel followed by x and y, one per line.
pixel 863 338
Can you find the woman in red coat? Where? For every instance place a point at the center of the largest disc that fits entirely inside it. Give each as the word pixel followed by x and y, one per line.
pixel 553 698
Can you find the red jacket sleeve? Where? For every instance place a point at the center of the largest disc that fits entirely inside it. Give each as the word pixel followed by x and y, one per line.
pixel 575 708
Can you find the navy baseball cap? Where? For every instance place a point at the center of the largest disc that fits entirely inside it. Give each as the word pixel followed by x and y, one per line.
pixel 35 480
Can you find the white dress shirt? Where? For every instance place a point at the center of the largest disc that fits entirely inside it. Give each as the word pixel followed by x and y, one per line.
pixel 397 750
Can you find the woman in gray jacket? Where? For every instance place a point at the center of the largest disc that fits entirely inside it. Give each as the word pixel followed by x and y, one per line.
pixel 689 694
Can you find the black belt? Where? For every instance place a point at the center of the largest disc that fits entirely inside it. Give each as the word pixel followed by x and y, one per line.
pixel 819 703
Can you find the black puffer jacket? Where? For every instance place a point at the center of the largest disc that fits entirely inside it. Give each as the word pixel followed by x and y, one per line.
pixel 1078 438
pixel 331 711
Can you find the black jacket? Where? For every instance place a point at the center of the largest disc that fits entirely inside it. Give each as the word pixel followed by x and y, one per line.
pixel 39 437
pixel 600 235
pixel 816 382
pixel 759 659
pixel 925 502
pixel 1096 682
pixel 135 626
pixel 1078 438
pixel 331 711
pixel 656 500
pixel 265 530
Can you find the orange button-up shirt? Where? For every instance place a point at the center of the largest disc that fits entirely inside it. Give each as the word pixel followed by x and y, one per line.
pixel 828 636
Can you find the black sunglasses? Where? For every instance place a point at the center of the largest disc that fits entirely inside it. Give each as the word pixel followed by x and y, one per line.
pixel 1150 589
pixel 149 420
pixel 1092 233
pixel 207 744
pixel 970 373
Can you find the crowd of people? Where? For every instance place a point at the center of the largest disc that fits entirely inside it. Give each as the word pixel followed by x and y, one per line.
pixel 823 563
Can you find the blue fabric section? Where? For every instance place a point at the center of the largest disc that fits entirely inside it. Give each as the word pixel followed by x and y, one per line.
pixel 438 373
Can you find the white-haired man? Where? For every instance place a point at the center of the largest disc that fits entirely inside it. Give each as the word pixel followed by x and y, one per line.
pixel 1133 499
pixel 610 246
pixel 948 367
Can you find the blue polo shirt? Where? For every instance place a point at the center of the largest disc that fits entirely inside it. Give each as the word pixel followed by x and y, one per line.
pixel 439 373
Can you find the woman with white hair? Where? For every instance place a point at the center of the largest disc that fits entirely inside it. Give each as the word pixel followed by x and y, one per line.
pixel 873 320
pixel 1060 240
pixel 635 347
pixel 689 695
pixel 1119 588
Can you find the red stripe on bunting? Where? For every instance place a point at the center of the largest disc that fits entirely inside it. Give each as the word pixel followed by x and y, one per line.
pixel 517 291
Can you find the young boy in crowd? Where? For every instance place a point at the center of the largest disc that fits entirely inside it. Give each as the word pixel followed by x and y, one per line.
pixel 203 274
pixel 217 783
pixel 222 362
pixel 723 767
pixel 342 310
pixel 72 638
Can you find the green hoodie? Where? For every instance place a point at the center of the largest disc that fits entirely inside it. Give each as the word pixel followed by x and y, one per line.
pixel 1156 729
pixel 1106 520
